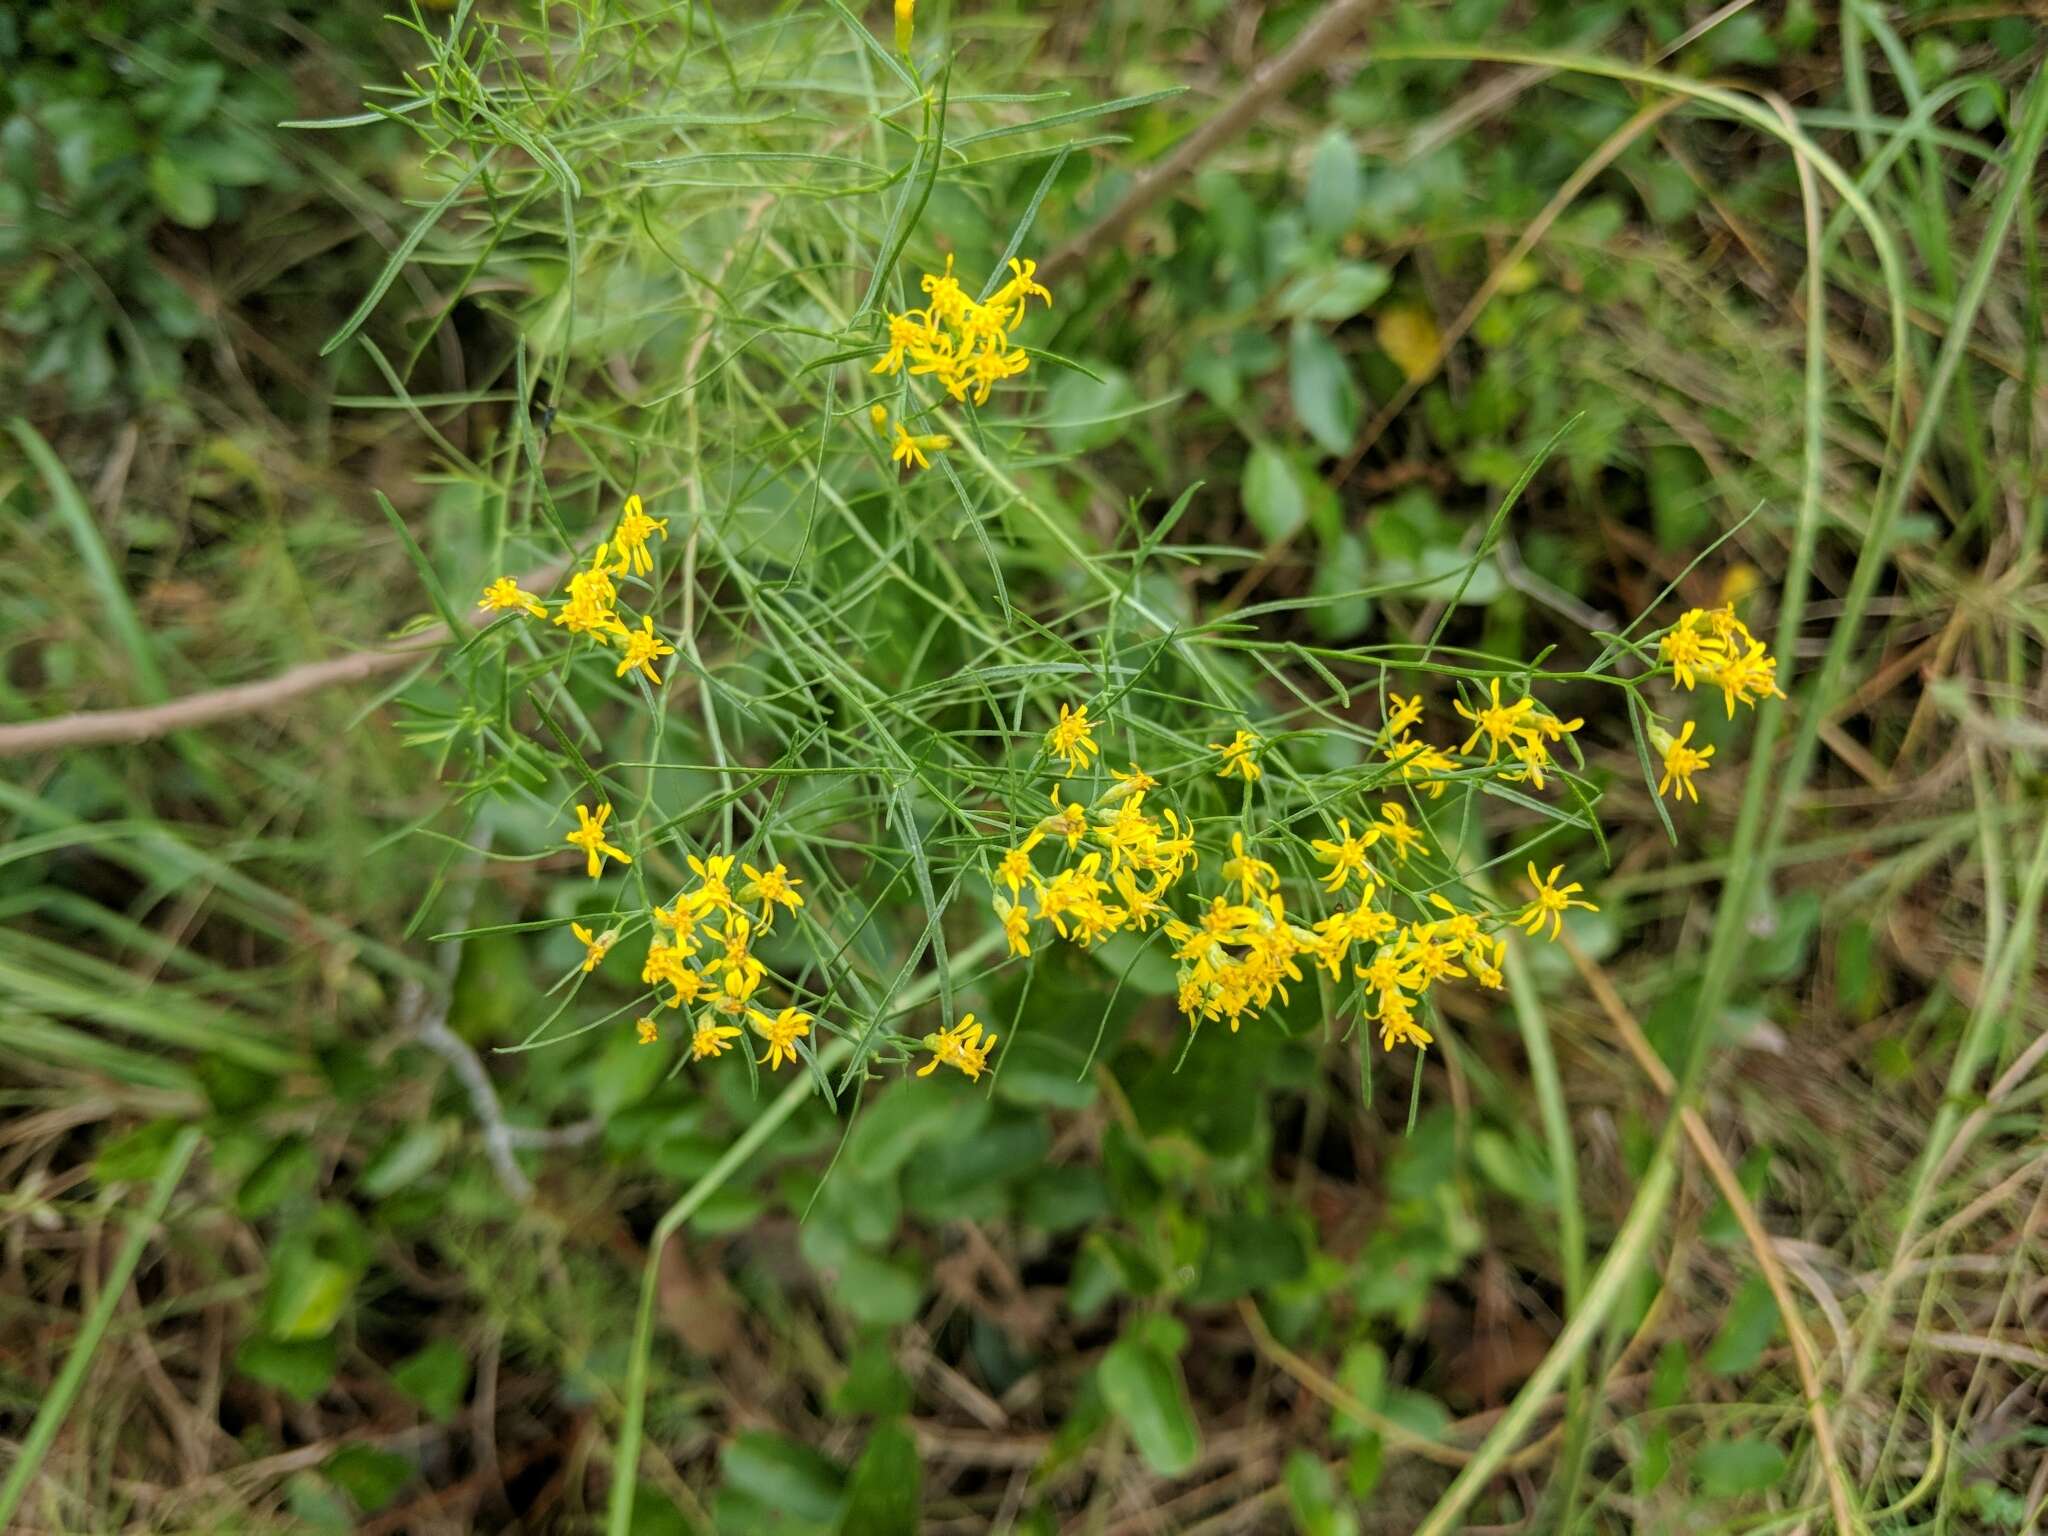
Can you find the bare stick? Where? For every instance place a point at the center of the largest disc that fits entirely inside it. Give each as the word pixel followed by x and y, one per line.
pixel 103 727
pixel 1311 47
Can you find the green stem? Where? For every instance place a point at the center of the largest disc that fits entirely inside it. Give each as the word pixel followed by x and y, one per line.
pixel 1571 1220
pixel 50 1417
pixel 619 1518
pixel 1615 1272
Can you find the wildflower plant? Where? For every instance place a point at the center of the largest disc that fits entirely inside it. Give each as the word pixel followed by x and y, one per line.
pixel 814 759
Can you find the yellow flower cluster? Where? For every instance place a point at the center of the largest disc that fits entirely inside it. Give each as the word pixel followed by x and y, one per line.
pixel 1711 646
pixel 710 920
pixel 1523 729
pixel 591 608
pixel 962 345
pixel 1239 952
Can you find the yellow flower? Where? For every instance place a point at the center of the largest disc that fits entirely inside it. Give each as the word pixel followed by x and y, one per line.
pixel 712 894
pixel 1398 1026
pixel 775 887
pixel 592 596
pixel 1422 765
pixel 589 836
pixel 1071 738
pixel 1069 821
pixel 1239 757
pixel 1016 925
pixel 906 16
pixel 1388 973
pixel 1497 723
pixel 1405 713
pixel 1254 876
pixel 711 1039
pixel 1346 856
pixel 1136 782
pixel 908 333
pixel 504 595
pixel 1432 953
pixel 1009 301
pixel 781 1033
pixel 643 648
pixel 1533 755
pixel 1751 677
pixel 912 450
pixel 666 965
pixel 949 301
pixel 962 1047
pixel 1486 957
pixel 1687 650
pixel 1457 925
pixel 1014 868
pixel 1680 762
pixel 1551 903
pixel 647 1031
pixel 1398 830
pixel 595 945
pixel 736 991
pixel 1549 727
pixel 635 529
pixel 1722 621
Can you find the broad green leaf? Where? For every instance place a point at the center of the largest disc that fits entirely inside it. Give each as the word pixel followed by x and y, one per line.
pixel 1336 186
pixel 435 1378
pixel 1335 293
pixel 1272 495
pixel 1326 400
pixel 1341 611
pixel 301 1370
pixel 1143 1389
pixel 181 191
pixel 1731 1467
pixel 369 1476
pixel 1751 1324
pixel 882 1497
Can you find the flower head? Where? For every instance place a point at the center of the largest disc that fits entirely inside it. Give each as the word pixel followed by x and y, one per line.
pixel 1254 876
pixel 770 889
pixel 504 595
pixel 589 836
pixel 595 945
pixel 962 1047
pixel 1072 738
pixel 646 1030
pixel 1397 829
pixel 712 893
pixel 1681 762
pixel 1751 677
pixel 1551 903
pixel 634 530
pixel 593 594
pixel 910 450
pixel 781 1032
pixel 1405 713
pixel 1498 723
pixel 643 648
pixel 1346 856
pixel 1398 1026
pixel 1240 757
pixel 712 1038
pixel 1016 925
pixel 1689 652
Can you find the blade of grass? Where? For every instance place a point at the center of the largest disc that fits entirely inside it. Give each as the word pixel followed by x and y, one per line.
pixel 113 1286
